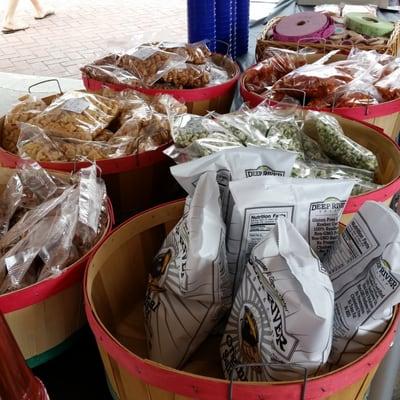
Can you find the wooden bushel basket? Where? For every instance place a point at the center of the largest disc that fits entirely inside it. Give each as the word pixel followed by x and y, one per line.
pixel 45 317
pixel 384 115
pixel 198 101
pixel 115 285
pixel 134 182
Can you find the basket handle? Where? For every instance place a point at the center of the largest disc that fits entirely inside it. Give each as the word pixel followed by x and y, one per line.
pixel 289 365
pixel 45 81
pixel 111 211
pixel 313 38
pixel 227 45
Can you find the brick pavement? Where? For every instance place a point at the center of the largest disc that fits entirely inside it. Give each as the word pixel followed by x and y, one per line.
pixel 84 29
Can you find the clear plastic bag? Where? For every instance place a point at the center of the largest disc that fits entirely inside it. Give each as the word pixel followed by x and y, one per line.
pixel 31 219
pixel 105 70
pixel 35 144
pixel 365 67
pixel 312 150
pixel 168 105
pixel 317 80
pixel 178 154
pixel 187 76
pixel 158 128
pixel 77 115
pixel 10 199
pixel 31 186
pixel 362 187
pixel 218 74
pixel 370 63
pixel 313 169
pixel 361 91
pixel 104 136
pixel 59 251
pixel 357 96
pixel 80 150
pixel 92 197
pixel 389 86
pixel 16 264
pixel 285 135
pixel 263 117
pixel 22 243
pixel 49 240
pixel 131 104
pixel 155 123
pixel 37 180
pixel 237 124
pixel 195 136
pixel 45 237
pixel 276 64
pixel 338 146
pixel 195 53
pixel 187 128
pixel 149 63
pixel 211 144
pixel 27 108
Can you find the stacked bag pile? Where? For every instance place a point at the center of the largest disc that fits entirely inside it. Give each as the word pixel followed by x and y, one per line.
pixel 257 258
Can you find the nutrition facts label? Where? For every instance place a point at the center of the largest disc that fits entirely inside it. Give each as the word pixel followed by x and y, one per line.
pixel 356 243
pixel 358 301
pixel 258 222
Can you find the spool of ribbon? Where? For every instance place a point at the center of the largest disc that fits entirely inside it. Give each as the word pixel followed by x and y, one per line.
pixel 367 24
pixel 305 25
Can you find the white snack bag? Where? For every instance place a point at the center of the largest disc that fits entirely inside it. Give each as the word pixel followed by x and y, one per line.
pixel 372 229
pixel 314 206
pixel 283 311
pixel 189 288
pixel 232 165
pixel 364 267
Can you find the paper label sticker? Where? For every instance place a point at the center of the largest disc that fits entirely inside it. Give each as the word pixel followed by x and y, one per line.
pixel 144 53
pixel 77 106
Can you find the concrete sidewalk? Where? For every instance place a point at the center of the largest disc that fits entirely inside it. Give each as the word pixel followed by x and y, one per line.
pixel 84 29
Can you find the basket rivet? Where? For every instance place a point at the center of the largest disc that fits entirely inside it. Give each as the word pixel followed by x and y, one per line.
pixel 195 389
pixel 138 370
pixel 322 389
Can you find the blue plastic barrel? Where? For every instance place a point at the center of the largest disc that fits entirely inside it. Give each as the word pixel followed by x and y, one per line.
pixel 242 27
pixel 234 30
pixel 201 16
pixel 225 25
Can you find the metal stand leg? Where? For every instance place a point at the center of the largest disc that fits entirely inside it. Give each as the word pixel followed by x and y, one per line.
pixel 382 385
